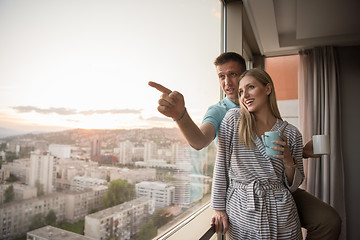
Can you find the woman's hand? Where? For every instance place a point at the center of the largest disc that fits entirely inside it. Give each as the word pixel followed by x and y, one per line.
pixel 220 220
pixel 290 163
pixel 286 156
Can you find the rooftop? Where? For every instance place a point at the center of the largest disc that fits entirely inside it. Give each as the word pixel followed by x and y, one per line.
pixel 118 208
pixel 53 233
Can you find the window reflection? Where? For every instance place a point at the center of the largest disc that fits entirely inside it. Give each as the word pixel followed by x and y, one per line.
pixel 83 151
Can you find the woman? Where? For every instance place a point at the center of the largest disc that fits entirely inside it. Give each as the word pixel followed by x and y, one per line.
pixel 251 191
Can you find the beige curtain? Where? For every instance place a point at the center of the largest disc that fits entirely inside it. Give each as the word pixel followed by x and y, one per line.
pixel 319 106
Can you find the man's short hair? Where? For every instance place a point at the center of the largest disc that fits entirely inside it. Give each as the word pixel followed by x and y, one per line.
pixel 228 57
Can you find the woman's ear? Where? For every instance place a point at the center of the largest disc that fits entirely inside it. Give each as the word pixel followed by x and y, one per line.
pixel 268 89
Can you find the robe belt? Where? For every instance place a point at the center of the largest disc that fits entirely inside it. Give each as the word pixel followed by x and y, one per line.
pixel 256 188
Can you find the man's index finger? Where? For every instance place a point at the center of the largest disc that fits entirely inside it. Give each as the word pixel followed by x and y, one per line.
pixel 160 87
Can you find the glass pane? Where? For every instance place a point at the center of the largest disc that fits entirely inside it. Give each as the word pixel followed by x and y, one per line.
pixel 82 145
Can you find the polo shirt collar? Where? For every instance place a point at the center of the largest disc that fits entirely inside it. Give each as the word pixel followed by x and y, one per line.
pixel 230 103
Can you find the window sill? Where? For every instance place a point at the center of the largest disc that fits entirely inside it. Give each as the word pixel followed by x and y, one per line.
pixel 195 226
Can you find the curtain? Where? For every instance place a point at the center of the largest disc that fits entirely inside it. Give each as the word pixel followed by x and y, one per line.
pixel 319 106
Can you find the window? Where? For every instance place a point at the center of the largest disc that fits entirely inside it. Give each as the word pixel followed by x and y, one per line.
pixel 76 71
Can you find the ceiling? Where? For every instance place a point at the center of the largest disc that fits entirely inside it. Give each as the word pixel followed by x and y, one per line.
pixel 286 26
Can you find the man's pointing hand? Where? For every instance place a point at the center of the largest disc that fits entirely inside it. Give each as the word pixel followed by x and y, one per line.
pixel 171 103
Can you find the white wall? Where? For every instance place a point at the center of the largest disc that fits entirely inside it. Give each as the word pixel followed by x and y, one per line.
pixel 289 110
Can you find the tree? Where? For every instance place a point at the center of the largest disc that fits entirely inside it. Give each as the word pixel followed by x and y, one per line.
pixel 77 227
pixel 148 231
pixel 9 194
pixel 119 191
pixel 94 210
pixel 12 178
pixel 161 217
pixel 39 188
pixel 25 152
pixel 51 218
pixel 3 146
pixel 37 221
pixel 10 156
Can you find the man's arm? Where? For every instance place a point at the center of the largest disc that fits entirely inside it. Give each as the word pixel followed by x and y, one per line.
pixel 172 104
pixel 197 137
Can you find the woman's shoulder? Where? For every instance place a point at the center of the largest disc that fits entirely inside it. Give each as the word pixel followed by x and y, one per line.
pixel 232 114
pixel 290 127
pixel 290 130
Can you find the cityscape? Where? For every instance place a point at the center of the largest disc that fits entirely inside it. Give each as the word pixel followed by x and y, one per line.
pixel 90 70
pixel 99 184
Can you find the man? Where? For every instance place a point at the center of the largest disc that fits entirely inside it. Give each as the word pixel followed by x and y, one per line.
pixel 320 219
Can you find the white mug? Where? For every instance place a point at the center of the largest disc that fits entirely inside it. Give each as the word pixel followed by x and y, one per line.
pixel 321 144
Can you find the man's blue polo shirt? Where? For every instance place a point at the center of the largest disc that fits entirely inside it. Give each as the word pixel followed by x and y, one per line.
pixel 217 112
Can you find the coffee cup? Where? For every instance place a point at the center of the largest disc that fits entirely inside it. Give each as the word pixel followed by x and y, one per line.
pixel 269 139
pixel 321 144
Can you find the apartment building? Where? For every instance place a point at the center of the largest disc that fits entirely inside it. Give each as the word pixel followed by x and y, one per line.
pixel 79 165
pixel 67 169
pixel 79 183
pixel 95 154
pixel 15 217
pixel 162 193
pixel 19 168
pixel 101 172
pixel 3 187
pixel 183 176
pixel 43 171
pixel 134 175
pixel 138 153
pixel 80 203
pixel 4 174
pixel 156 163
pixel 60 150
pixel 150 151
pixel 53 233
pixel 16 145
pixel 21 192
pixel 167 152
pixel 200 186
pixel 120 222
pixel 124 152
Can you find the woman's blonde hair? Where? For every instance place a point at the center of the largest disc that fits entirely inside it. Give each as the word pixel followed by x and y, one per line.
pixel 247 120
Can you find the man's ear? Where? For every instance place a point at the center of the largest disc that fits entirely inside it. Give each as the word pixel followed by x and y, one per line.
pixel 268 89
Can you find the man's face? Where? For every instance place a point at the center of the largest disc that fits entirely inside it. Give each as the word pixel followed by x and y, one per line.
pixel 229 74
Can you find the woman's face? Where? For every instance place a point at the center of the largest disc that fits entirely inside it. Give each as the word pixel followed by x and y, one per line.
pixel 253 94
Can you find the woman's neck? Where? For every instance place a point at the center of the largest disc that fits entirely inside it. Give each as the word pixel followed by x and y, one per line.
pixel 264 122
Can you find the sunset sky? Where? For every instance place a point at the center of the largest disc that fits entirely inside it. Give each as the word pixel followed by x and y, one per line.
pixel 86 64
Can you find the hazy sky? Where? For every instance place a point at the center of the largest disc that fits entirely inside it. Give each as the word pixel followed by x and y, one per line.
pixel 86 63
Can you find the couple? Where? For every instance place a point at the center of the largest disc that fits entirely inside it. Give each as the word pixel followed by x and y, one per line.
pixel 251 192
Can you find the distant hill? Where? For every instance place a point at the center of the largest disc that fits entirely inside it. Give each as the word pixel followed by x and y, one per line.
pixel 7 132
pixel 83 137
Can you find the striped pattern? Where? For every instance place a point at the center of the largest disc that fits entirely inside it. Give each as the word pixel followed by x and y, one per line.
pixel 252 187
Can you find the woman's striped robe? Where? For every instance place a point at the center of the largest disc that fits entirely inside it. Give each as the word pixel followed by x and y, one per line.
pixel 252 187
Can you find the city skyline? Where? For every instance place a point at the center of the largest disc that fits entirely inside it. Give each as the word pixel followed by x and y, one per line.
pixel 90 69
pixel 62 179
